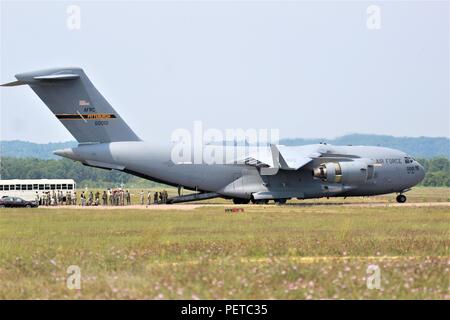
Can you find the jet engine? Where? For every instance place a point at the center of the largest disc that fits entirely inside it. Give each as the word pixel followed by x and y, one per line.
pixel 349 172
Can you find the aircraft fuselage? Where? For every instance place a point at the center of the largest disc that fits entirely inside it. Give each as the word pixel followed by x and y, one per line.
pixel 339 171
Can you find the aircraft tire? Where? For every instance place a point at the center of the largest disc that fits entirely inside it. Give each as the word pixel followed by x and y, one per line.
pixel 261 201
pixel 280 201
pixel 401 198
pixel 240 201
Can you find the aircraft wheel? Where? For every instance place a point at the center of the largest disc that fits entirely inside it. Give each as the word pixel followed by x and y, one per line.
pixel 240 201
pixel 401 198
pixel 261 202
pixel 280 201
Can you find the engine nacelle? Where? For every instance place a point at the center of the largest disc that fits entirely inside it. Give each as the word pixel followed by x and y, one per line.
pixel 350 172
pixel 330 172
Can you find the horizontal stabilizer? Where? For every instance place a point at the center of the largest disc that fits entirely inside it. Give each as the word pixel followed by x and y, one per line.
pixel 48 77
pixel 13 84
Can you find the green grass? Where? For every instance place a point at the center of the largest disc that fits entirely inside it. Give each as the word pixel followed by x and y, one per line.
pixel 418 194
pixel 280 252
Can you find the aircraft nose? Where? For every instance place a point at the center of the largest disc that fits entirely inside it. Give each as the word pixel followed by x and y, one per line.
pixel 420 173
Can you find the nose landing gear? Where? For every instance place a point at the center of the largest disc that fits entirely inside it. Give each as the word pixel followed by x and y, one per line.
pixel 401 198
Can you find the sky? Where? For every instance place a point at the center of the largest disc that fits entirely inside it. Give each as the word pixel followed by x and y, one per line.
pixel 308 69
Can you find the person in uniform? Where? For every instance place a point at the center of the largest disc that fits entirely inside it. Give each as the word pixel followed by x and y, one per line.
pixel 74 200
pixel 155 197
pixel 149 197
pixel 166 196
pixel 122 197
pixel 110 196
pixel 104 198
pixel 37 198
pixel 142 197
pixel 90 198
pixel 82 199
pixel 97 198
pixel 69 198
pixel 128 196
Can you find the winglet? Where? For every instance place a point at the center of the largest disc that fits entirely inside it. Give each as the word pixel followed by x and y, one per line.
pixel 278 158
pixel 291 159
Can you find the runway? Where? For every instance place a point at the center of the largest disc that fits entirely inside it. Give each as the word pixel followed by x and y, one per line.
pixel 193 206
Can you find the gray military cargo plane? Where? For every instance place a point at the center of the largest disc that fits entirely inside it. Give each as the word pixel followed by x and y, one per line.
pixel 271 172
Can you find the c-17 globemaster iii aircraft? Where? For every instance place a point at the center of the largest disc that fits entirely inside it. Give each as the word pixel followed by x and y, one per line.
pixel 270 172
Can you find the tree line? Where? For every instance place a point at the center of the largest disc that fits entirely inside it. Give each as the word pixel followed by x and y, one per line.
pixel 437 173
pixel 84 176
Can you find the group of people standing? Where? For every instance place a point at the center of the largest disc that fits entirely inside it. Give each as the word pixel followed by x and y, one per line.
pixel 158 197
pixel 56 198
pixel 111 197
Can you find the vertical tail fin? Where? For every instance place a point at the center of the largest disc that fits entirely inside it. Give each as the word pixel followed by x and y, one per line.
pixel 74 100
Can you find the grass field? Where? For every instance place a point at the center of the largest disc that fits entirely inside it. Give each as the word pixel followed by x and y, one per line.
pixel 420 194
pixel 266 252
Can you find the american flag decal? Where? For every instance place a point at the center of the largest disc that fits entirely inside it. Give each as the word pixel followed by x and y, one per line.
pixel 84 103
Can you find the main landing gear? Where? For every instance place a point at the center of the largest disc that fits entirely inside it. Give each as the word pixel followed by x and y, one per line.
pixel 241 201
pixel 260 201
pixel 401 198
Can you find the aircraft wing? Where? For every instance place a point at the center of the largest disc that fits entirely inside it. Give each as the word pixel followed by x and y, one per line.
pixel 254 156
pixel 284 157
pixel 293 158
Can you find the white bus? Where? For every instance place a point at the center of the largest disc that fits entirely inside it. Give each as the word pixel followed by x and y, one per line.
pixel 26 189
